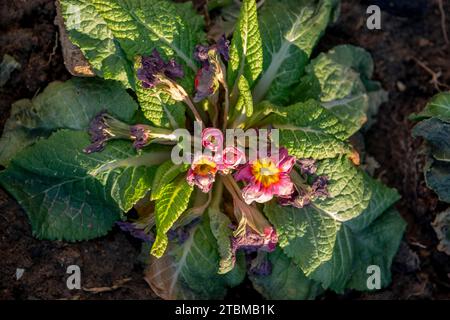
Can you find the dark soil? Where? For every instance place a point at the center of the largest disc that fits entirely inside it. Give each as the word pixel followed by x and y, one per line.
pixel 28 34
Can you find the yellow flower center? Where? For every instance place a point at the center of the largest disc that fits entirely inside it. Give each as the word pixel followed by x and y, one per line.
pixel 204 167
pixel 266 172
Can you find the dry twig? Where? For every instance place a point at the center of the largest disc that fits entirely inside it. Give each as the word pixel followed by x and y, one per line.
pixel 434 75
pixel 443 21
pixel 118 284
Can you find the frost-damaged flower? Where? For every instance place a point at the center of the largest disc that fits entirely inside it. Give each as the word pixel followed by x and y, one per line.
pixel 136 232
pixel 253 232
pixel 105 127
pixel 320 187
pixel 203 53
pixel 301 198
pixel 267 177
pixel 141 134
pixel 260 266
pixel 307 166
pixel 252 241
pixel 154 68
pixel 212 72
pixel 155 71
pixel 181 234
pixel 202 172
pixel 298 199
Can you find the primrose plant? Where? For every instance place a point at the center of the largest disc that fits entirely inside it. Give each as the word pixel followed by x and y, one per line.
pixel 228 159
pixel 434 127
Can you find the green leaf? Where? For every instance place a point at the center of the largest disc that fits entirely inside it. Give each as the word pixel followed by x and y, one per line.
pixel 189 271
pixel 244 105
pixel 140 26
pixel 437 177
pixel 286 281
pixel 438 107
pixel 350 192
pixel 308 130
pixel 336 272
pixel 437 134
pixel 220 227
pixel 166 173
pixel 159 107
pixel 246 56
pixel 376 245
pixel 339 79
pixel 69 195
pixel 90 32
pixel 111 34
pixel 71 105
pixel 172 203
pixel 289 30
pixel 326 250
pixel 382 198
pixel 306 235
pixel 355 251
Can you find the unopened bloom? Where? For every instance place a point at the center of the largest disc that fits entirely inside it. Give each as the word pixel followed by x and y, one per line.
pixel 202 172
pixel 212 139
pixel 205 166
pixel 231 158
pixel 267 177
pixel 154 68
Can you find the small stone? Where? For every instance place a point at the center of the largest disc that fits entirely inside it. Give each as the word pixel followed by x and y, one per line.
pixel 19 273
pixel 401 86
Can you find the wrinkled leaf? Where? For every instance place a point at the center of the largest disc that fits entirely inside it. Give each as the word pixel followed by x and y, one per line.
pixel 286 281
pixel 69 195
pixel 171 204
pixel 246 56
pixel 290 30
pixel 189 270
pixel 68 105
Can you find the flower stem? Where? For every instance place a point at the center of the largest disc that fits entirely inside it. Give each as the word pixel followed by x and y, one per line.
pixel 191 106
pixel 217 194
pixel 227 105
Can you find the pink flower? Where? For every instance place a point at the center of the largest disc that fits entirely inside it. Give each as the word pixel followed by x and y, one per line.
pixel 202 173
pixel 231 158
pixel 267 177
pixel 212 139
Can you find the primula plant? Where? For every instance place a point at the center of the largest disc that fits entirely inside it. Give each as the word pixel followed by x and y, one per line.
pixel 298 217
pixel 434 128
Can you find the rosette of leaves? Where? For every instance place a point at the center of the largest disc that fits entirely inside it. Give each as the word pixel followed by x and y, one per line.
pixel 434 128
pixel 317 103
